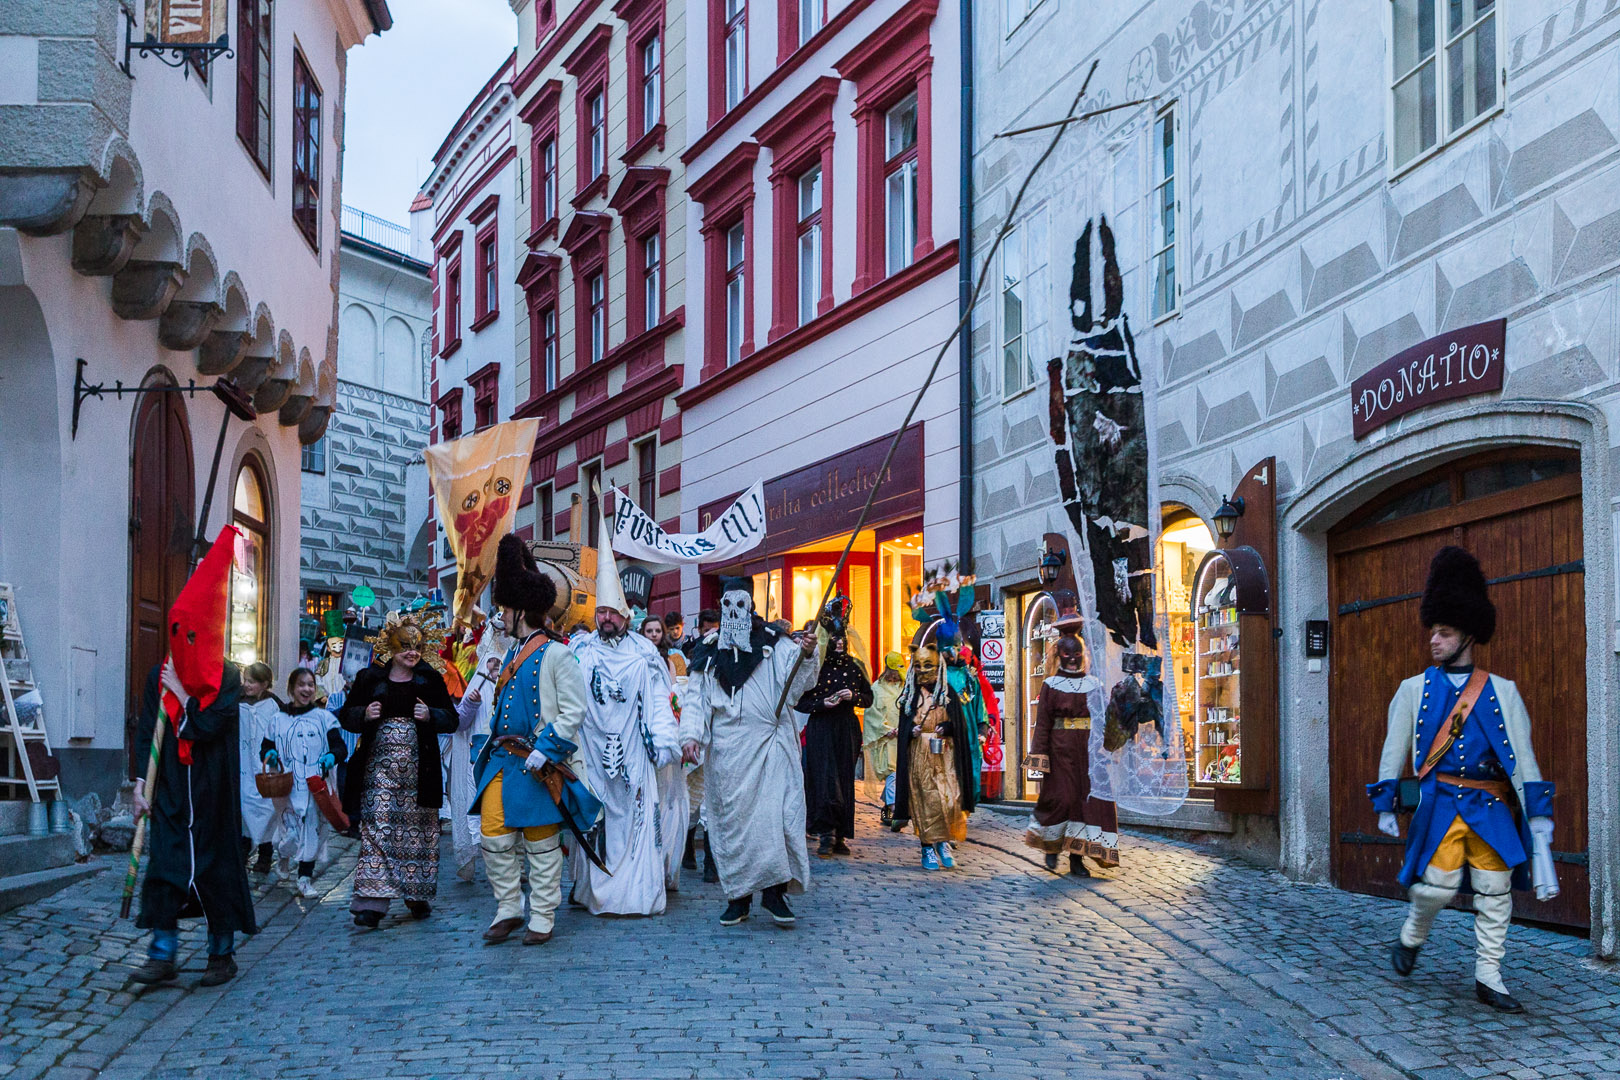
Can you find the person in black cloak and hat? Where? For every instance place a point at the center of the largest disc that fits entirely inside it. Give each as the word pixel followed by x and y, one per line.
pixel 832 738
pixel 1482 804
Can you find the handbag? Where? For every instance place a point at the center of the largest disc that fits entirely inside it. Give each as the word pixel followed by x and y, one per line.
pixel 331 809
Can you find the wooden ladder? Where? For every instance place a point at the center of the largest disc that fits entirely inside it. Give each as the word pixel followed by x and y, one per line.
pixel 19 680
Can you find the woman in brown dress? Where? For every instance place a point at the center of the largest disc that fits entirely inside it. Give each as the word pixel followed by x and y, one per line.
pixel 1066 817
pixel 394 786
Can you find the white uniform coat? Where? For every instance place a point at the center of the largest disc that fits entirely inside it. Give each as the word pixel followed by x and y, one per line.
pixel 753 792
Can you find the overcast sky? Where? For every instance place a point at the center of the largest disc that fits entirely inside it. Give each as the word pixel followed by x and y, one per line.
pixel 408 86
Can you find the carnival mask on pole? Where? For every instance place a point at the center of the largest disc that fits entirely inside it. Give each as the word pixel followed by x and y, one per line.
pixel 737 618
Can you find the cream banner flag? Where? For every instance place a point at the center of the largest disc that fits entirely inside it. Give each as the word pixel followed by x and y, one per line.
pixel 739 529
pixel 476 482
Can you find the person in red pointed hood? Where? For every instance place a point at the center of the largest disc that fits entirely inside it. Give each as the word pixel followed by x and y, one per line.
pixel 195 863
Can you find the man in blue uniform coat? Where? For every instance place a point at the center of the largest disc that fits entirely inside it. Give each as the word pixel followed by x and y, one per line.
pixel 539 697
pixel 1466 735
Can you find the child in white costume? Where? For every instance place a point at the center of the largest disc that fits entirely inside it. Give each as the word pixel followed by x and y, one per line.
pixel 305 741
pixel 258 712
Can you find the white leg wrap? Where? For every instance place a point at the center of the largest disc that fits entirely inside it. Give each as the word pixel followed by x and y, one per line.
pixel 545 881
pixel 1493 911
pixel 1432 893
pixel 501 866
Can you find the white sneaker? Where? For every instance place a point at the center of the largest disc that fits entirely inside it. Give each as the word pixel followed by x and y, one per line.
pixel 306 889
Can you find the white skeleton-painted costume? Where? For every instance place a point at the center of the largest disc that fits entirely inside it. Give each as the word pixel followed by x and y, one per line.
pixel 301 739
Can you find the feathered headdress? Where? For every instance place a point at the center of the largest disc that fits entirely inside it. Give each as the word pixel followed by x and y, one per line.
pixel 944 617
pixel 423 628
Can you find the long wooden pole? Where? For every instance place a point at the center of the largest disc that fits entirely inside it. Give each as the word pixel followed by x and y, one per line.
pixel 139 840
pixel 961 323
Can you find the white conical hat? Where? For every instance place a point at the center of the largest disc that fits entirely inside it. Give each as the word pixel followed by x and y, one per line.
pixel 609 590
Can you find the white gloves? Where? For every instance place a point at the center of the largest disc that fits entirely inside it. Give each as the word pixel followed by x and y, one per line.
pixel 535 761
pixel 1388 825
pixel 1541 829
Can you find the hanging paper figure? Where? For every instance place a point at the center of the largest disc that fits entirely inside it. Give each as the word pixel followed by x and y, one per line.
pixel 1098 424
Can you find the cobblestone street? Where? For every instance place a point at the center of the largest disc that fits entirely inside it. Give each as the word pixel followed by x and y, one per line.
pixel 1181 965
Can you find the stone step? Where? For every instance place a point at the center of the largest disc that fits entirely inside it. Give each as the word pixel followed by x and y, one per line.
pixel 27 854
pixel 19 889
pixel 13 817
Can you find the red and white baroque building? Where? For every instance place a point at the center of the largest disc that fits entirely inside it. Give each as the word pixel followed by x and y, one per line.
pixel 466 215
pixel 600 349
pixel 824 202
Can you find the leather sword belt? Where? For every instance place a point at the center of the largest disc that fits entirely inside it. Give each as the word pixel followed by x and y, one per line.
pixel 1072 723
pixel 1500 788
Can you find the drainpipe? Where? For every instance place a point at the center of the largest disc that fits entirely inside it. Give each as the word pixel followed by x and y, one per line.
pixel 964 291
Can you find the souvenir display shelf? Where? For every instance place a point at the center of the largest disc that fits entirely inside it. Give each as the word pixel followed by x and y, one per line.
pixel 1217 710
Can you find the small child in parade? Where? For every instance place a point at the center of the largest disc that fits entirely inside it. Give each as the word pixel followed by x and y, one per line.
pixel 305 740
pixel 258 711
pixel 880 723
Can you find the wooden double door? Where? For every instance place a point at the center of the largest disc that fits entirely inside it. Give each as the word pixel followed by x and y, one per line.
pixel 1519 512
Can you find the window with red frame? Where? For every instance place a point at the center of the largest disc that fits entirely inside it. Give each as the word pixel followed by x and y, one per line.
pixel 736 290
pixel 450 416
pixel 736 51
pixel 306 155
pixel 489 281
pixel 544 499
pixel 452 305
pixel 810 254
pixel 652 280
pixel 812 16
pixel 486 386
pixel 652 80
pixel 596 132
pixel 253 36
pixel 647 474
pixel 596 300
pixel 900 184
pixel 544 328
pixel 548 180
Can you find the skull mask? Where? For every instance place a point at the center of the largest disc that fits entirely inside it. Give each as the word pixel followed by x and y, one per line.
pixel 1071 655
pixel 737 617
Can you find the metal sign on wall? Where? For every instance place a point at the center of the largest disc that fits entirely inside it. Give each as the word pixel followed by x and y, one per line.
pixel 993 648
pixel 185 22
pixel 1456 364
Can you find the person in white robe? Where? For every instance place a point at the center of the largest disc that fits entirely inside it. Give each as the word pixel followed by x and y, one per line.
pixel 629 743
pixel 306 741
pixel 753 802
pixel 258 709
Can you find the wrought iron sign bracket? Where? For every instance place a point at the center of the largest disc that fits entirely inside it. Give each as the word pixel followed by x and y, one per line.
pixel 174 54
pixel 228 392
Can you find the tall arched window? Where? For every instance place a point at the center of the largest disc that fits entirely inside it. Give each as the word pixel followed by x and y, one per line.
pixel 250 513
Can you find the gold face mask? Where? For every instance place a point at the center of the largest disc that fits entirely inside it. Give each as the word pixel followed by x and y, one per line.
pixel 927 665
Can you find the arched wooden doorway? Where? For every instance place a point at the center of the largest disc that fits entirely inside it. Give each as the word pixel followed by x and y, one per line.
pixel 1519 511
pixel 161 524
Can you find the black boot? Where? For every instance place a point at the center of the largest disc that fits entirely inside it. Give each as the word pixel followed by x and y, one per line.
pixel 774 902
pixel 736 911
pixel 1496 999
pixel 839 847
pixel 1077 866
pixel 367 920
pixel 155 971
pixel 1052 861
pixel 221 970
pixel 711 872
pixel 1403 958
pixel 824 849
pixel 262 864
pixel 689 856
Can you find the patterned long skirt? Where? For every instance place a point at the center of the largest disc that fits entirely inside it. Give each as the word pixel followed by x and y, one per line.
pixel 399 840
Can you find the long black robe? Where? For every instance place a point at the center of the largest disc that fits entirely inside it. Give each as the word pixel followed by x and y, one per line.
pixel 960 731
pixel 832 742
pixel 194 865
pixel 372 685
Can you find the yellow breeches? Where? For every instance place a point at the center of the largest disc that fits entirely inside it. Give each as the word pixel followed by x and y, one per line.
pixel 1462 845
pixel 492 816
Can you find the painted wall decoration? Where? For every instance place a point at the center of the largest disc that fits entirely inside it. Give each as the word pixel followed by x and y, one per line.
pixel 1098 420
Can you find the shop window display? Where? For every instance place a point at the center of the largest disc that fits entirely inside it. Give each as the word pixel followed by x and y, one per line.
pixel 1218 717
pixel 1183 543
